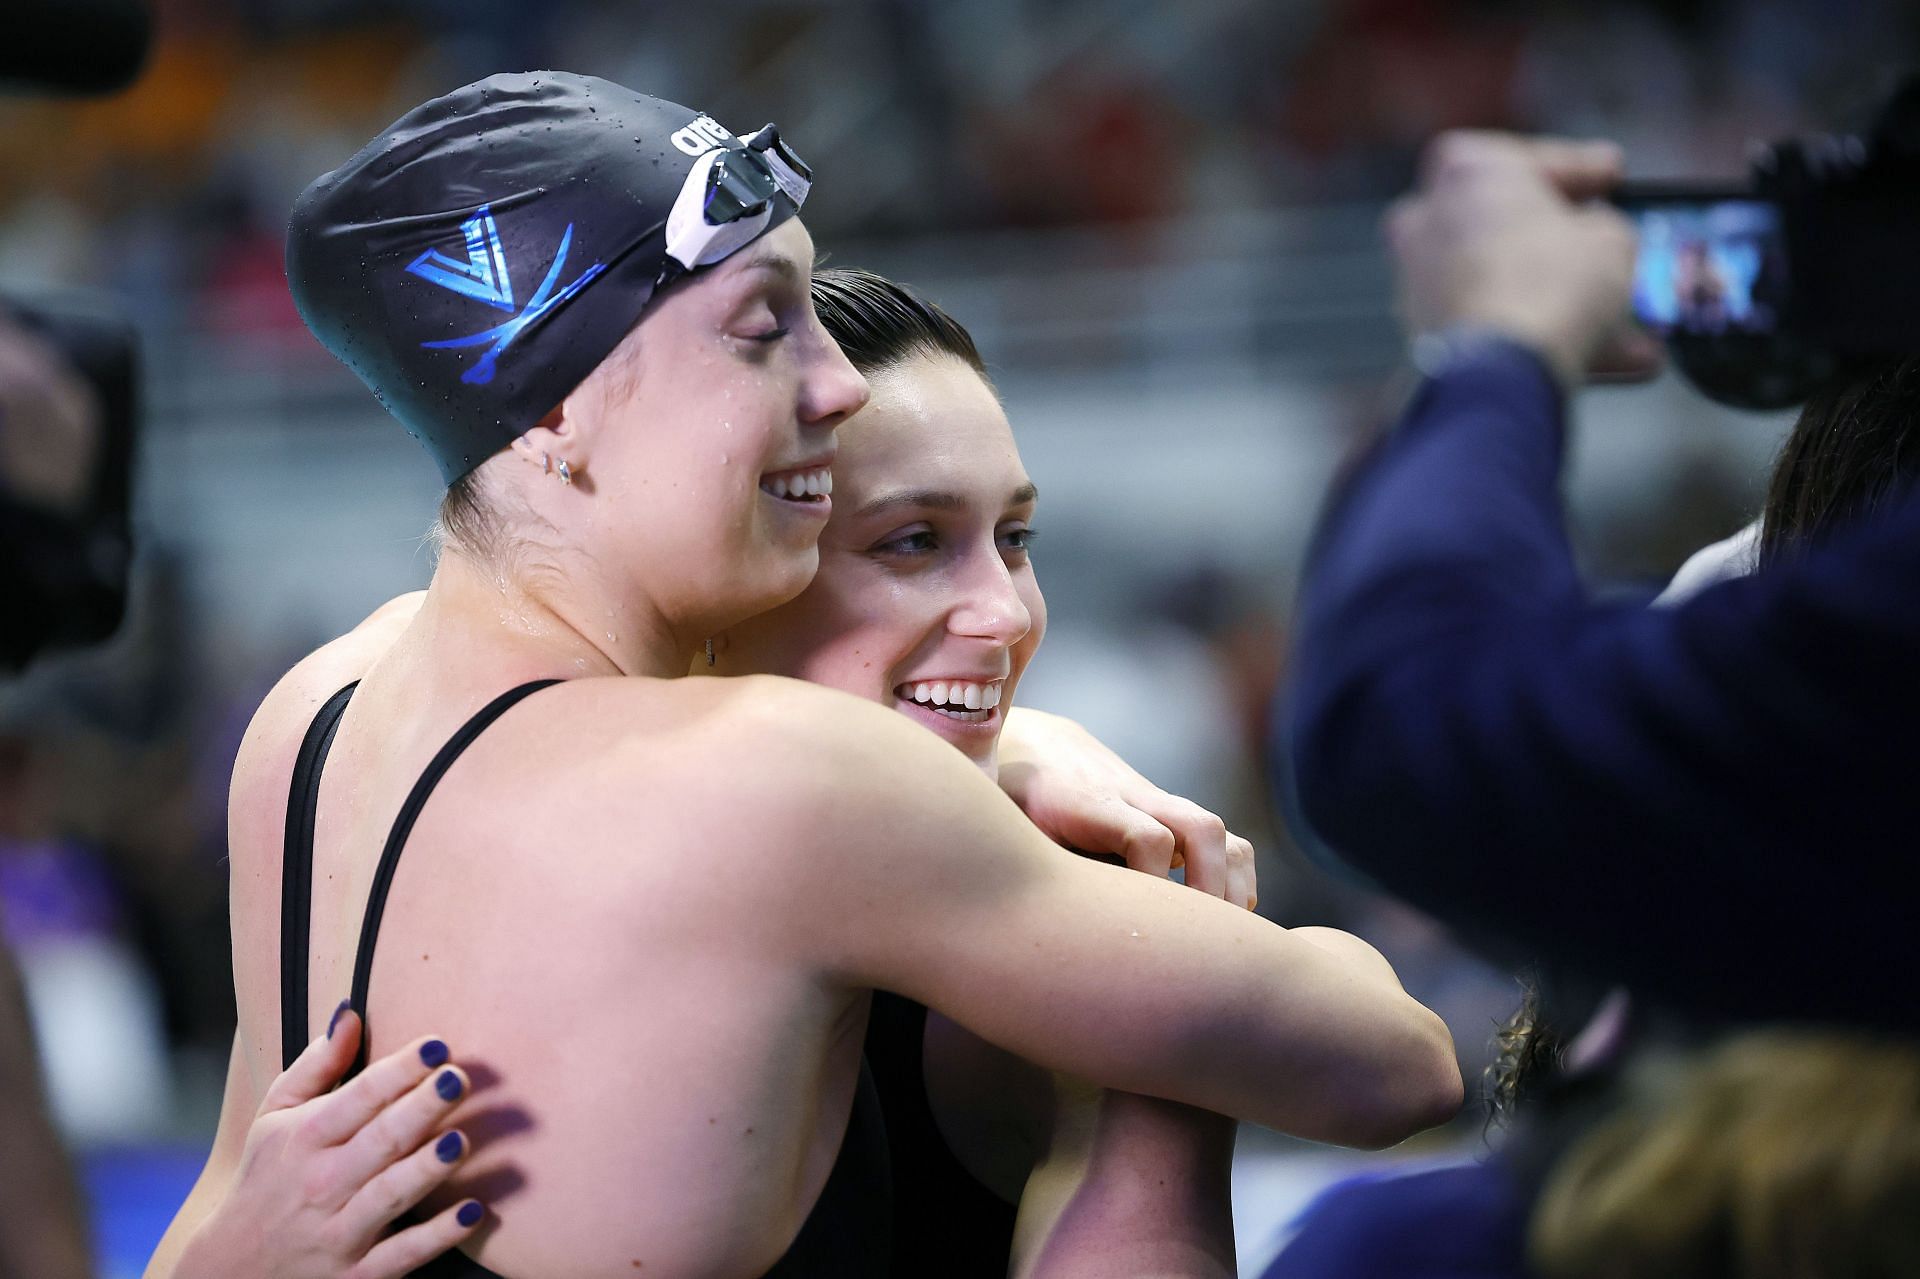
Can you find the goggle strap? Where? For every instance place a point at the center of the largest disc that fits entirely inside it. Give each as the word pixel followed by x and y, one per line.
pixel 794 178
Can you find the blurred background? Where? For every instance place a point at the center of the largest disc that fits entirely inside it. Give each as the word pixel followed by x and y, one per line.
pixel 1159 221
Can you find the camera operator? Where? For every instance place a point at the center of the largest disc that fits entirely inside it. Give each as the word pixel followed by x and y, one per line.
pixel 1709 802
pixel 49 441
pixel 66 430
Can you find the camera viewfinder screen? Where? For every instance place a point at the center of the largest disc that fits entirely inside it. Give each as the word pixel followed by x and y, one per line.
pixel 1710 268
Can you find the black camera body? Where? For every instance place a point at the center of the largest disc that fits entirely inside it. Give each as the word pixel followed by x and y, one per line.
pixel 1763 290
pixel 64 574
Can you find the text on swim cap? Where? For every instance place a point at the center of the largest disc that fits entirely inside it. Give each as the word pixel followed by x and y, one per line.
pixel 702 136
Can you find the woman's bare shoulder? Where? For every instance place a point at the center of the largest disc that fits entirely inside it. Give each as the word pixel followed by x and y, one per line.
pixel 273 736
pixel 746 751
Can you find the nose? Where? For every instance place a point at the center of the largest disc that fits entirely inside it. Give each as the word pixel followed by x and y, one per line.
pixel 833 390
pixel 990 607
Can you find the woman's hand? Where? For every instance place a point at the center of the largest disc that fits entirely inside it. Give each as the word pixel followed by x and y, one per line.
pixel 325 1174
pixel 1083 795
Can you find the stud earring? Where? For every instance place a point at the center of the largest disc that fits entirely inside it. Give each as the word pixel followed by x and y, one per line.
pixel 566 472
pixel 546 464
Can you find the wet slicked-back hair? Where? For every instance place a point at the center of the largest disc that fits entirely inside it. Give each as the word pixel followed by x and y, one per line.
pixel 880 323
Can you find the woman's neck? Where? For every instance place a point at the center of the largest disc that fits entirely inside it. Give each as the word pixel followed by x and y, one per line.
pixel 549 613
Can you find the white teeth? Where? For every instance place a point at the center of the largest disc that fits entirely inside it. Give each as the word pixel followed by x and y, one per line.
pixel 954 695
pixel 799 484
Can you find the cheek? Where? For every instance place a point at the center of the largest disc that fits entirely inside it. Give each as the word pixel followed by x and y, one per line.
pixel 865 631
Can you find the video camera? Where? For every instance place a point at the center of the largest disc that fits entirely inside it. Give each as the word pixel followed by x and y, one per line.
pixel 1765 289
pixel 63 570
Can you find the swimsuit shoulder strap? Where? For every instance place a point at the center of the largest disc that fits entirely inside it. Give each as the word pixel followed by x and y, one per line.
pixel 296 872
pixel 397 839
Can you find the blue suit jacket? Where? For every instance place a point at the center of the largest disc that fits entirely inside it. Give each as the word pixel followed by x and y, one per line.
pixel 1714 803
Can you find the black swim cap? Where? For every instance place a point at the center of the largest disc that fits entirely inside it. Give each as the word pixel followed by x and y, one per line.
pixel 488 250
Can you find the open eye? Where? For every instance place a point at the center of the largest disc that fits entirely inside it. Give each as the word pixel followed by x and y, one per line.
pixel 917 542
pixel 1018 540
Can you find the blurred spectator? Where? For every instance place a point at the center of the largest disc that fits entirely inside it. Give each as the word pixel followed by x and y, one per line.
pixel 1778 1154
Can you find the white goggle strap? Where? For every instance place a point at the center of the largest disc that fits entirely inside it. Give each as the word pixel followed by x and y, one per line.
pixel 692 241
pixel 793 184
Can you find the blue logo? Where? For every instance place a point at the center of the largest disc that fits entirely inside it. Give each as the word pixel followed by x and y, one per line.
pixel 484 278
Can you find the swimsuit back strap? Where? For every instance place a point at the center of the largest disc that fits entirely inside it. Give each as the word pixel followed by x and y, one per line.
pixel 397 839
pixel 296 873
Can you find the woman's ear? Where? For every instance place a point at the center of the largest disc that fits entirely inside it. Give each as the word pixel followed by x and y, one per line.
pixel 555 439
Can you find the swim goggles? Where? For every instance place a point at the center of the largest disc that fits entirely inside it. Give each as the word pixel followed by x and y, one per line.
pixel 727 200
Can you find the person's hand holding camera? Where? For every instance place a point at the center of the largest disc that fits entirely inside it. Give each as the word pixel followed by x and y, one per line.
pixel 1496 238
pixel 49 423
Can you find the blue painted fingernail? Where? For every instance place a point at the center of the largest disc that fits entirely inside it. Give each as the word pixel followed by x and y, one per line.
pixel 448 1086
pixel 434 1053
pixel 448 1147
pixel 470 1212
pixel 337 1014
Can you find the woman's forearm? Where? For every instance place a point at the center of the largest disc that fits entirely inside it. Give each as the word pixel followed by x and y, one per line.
pixel 1130 1185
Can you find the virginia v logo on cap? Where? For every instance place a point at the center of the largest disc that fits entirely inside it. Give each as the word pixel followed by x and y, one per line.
pixel 485 278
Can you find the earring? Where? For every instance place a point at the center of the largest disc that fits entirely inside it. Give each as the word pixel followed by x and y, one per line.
pixel 709 650
pixel 546 464
pixel 566 472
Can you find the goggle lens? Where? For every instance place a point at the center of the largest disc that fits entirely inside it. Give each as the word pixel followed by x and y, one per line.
pixel 739 185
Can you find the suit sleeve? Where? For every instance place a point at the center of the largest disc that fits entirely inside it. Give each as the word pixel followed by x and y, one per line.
pixel 1706 801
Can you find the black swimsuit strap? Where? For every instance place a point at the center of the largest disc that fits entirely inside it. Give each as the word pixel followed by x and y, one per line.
pixel 397 840
pixel 296 873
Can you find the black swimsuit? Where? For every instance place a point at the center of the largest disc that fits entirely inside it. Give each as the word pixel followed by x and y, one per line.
pixel 846 1236
pixel 944 1222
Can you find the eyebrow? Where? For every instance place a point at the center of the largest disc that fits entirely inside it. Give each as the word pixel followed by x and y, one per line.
pixel 936 500
pixel 775 261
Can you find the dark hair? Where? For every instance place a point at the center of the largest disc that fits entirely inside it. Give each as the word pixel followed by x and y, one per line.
pixel 880 323
pixel 1527 1053
pixel 1855 446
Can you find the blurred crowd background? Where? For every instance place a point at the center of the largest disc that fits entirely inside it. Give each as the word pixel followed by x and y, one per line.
pixel 1159 220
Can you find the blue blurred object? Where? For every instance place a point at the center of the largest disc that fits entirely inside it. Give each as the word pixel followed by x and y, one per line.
pixel 1459 1222
pixel 132 1193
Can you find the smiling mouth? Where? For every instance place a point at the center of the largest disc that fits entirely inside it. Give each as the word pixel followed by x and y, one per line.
pixel 963 700
pixel 813 485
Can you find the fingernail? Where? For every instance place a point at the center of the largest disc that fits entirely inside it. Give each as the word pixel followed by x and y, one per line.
pixel 448 1086
pixel 434 1053
pixel 337 1013
pixel 470 1212
pixel 447 1149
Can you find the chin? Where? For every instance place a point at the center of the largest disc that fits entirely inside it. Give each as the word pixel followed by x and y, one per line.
pixel 785 578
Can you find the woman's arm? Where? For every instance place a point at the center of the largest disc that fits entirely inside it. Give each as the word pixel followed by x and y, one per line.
pixel 307 1186
pixel 905 869
pixel 1131 1185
